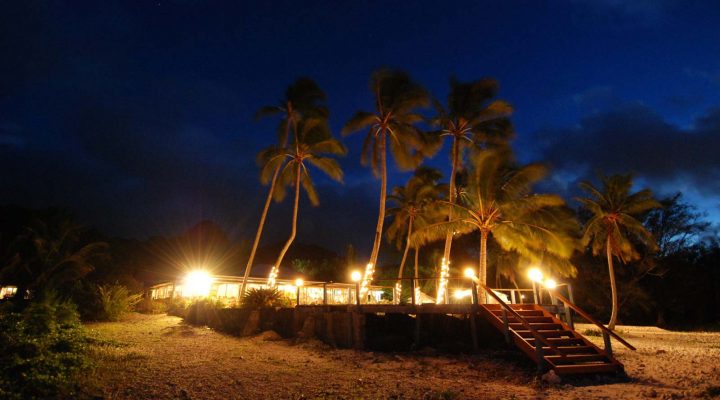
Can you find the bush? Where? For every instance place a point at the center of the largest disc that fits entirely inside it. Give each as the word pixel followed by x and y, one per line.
pixel 150 306
pixel 270 297
pixel 116 301
pixel 42 350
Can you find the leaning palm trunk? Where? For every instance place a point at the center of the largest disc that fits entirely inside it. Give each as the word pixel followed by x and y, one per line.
pixel 261 225
pixel 381 218
pixel 276 267
pixel 398 285
pixel 613 286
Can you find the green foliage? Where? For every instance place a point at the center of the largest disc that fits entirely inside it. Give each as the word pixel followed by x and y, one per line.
pixel 117 301
pixel 613 220
pixel 259 298
pixel 150 306
pixel 42 351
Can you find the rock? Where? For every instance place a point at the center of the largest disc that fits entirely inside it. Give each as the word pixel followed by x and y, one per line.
pixel 270 336
pixel 551 377
pixel 652 393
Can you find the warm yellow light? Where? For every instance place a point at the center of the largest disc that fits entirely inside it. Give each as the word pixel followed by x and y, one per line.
pixel 469 272
pixel 535 275
pixel 356 276
pixel 197 284
pixel 550 284
pixel 299 282
pixel 461 294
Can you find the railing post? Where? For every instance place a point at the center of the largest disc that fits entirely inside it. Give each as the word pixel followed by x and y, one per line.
pixel 324 293
pixel 513 296
pixel 507 326
pixel 569 316
pixel 357 293
pixel 535 293
pixel 608 343
pixel 412 296
pixel 298 296
pixel 540 354
pixel 474 289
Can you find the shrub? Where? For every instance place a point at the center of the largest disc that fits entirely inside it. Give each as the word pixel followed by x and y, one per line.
pixel 116 301
pixel 150 306
pixel 270 297
pixel 42 350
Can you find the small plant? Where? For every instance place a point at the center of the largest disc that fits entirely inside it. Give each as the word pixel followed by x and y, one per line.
pixel 42 351
pixel 150 306
pixel 259 298
pixel 592 332
pixel 117 301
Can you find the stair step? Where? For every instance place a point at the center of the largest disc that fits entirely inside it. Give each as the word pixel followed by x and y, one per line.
pixel 560 341
pixel 570 350
pixel 538 326
pixel 545 333
pixel 524 313
pixel 585 368
pixel 576 358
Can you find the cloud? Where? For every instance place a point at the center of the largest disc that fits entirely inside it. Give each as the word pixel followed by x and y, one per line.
pixel 634 138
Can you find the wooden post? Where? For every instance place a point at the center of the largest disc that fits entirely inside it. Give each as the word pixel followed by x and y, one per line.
pixel 298 297
pixel 535 293
pixel 357 293
pixel 416 345
pixel 539 353
pixel 513 296
pixel 324 293
pixel 506 322
pixel 608 344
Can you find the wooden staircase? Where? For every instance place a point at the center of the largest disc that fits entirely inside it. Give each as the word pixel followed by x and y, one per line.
pixel 561 348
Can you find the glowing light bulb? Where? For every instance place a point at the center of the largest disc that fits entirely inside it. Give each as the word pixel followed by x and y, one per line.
pixel 535 275
pixel 469 272
pixel 550 284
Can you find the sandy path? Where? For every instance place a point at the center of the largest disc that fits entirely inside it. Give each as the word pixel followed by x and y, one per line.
pixel 158 357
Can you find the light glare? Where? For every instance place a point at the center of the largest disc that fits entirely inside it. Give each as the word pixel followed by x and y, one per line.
pixel 535 275
pixel 550 284
pixel 356 276
pixel 197 284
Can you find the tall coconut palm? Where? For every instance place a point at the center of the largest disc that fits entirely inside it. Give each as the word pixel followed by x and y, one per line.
pixel 312 145
pixel 613 226
pixel 472 119
pixel 393 120
pixel 412 211
pixel 498 203
pixel 303 97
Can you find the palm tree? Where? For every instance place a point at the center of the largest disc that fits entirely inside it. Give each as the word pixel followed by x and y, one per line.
pixel 473 120
pixel 412 211
pixel 50 254
pixel 613 227
pixel 311 145
pixel 397 97
pixel 303 97
pixel 498 203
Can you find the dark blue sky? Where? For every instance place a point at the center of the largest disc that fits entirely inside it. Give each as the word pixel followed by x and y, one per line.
pixel 138 116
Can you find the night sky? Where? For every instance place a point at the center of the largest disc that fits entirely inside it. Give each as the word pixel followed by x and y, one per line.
pixel 138 116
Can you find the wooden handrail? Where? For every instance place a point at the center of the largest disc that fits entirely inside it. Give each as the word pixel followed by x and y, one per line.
pixel 591 319
pixel 522 320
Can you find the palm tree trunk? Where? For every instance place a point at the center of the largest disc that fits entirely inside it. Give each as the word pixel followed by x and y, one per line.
pixel 451 197
pixel 398 285
pixel 284 250
pixel 268 200
pixel 417 281
pixel 482 273
pixel 381 212
pixel 613 286
pixel 261 225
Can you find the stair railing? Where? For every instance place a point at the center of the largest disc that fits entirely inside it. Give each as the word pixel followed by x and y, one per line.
pixel 539 339
pixel 606 332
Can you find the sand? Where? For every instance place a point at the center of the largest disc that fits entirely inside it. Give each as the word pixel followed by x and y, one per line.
pixel 159 357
